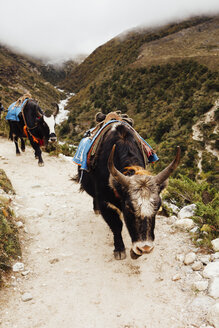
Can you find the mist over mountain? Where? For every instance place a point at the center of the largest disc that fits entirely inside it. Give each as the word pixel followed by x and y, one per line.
pixel 165 78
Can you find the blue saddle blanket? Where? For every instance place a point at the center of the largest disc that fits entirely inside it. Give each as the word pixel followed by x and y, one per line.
pixel 14 111
pixel 80 157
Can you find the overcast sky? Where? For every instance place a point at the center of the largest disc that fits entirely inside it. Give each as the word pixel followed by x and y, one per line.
pixel 62 29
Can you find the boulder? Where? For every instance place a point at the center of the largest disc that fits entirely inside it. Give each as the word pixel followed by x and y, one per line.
pixel 215 244
pixel 203 303
pixel 213 315
pixel 184 224
pixel 187 212
pixel 173 207
pixel 211 270
pixel 201 285
pixel 190 258
pixel 197 266
pixel 214 287
pixel 18 267
pixel 26 297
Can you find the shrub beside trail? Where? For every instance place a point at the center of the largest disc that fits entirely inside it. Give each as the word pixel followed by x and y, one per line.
pixel 9 241
pixel 183 191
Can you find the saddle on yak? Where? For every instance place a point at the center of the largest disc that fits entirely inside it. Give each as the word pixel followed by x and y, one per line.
pixel 87 151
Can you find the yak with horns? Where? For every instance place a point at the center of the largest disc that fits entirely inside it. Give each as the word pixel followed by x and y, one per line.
pixel 122 189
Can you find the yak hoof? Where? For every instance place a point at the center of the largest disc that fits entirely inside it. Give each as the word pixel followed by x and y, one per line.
pixel 134 256
pixel 18 154
pixel 23 150
pixel 41 164
pixel 120 255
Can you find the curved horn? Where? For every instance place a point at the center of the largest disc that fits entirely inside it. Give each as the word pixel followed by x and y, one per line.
pixel 117 175
pixel 56 110
pixel 163 175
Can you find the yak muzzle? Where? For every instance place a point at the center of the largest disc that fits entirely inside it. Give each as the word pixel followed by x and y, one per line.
pixel 52 137
pixel 139 249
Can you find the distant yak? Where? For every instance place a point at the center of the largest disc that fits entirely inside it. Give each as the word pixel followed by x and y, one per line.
pixel 32 123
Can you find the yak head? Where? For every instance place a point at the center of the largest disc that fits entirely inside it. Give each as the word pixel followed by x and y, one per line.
pixel 46 125
pixel 140 201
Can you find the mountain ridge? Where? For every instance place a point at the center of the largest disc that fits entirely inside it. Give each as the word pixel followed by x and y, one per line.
pixel 164 95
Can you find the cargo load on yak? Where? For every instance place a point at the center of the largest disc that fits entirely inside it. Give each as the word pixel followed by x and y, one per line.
pixel 87 151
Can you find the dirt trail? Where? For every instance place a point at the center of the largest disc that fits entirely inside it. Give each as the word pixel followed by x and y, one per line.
pixel 74 279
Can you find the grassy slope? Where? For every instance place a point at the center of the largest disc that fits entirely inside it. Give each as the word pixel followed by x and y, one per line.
pixel 165 79
pixel 9 241
pixel 19 74
pixel 124 50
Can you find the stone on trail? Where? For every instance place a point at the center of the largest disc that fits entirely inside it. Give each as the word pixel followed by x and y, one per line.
pixel 197 266
pixel 176 277
pixel 201 285
pixel 213 315
pixel 215 244
pixel 18 267
pixel 211 270
pixel 202 302
pixel 25 273
pixel 184 224
pixel 214 288
pixel 205 259
pixel 19 224
pixel 180 257
pixel 190 258
pixel 26 297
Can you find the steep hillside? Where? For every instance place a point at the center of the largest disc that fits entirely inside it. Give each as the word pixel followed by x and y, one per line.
pixel 166 79
pixel 55 74
pixel 19 74
pixel 196 33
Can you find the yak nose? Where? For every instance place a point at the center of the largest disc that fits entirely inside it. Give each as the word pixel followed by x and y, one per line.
pixel 52 137
pixel 140 248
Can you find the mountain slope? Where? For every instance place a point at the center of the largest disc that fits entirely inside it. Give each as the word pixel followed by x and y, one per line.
pixel 129 48
pixel 198 42
pixel 19 74
pixel 165 79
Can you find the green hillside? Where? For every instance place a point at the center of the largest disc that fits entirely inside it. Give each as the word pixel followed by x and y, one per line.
pixel 126 49
pixel 165 79
pixel 19 74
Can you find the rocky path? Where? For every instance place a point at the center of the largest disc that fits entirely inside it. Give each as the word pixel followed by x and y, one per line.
pixel 69 273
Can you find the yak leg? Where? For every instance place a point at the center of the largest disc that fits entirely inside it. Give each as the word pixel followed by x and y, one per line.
pixel 37 151
pixel 96 206
pixel 16 146
pixel 112 218
pixel 22 144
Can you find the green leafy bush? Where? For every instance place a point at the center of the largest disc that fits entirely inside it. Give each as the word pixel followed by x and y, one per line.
pixel 207 215
pixel 183 191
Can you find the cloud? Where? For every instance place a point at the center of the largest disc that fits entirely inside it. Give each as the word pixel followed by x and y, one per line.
pixel 66 28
